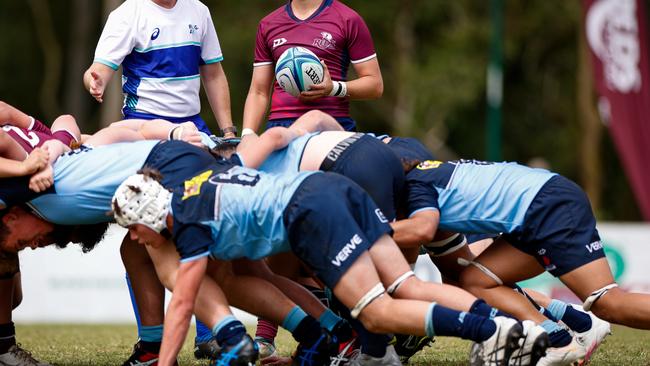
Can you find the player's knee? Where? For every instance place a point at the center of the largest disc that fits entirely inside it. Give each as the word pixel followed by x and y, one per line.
pixel 17 299
pixel 409 289
pixel 609 306
pixel 473 280
pixel 374 316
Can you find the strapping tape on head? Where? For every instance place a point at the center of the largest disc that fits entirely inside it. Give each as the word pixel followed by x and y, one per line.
pixel 466 263
pixel 369 297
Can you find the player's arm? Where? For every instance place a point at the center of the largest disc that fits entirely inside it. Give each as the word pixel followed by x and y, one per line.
pixel 418 229
pixel 253 149
pixel 96 78
pixel 368 85
pixel 257 100
pixel 181 308
pixel 314 121
pixel 14 116
pixel 216 88
pixel 14 161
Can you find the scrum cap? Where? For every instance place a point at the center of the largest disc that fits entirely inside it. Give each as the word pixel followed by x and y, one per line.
pixel 141 200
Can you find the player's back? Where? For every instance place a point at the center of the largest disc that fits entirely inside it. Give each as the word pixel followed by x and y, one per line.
pixel 85 180
pixel 481 197
pixel 243 208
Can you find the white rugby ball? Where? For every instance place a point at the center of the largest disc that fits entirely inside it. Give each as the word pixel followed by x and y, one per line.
pixel 297 70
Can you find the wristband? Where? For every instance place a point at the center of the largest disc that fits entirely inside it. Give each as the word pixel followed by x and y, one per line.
pixel 247 131
pixel 339 89
pixel 171 132
pixel 228 129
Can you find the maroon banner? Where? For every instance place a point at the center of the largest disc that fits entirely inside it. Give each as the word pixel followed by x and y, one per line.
pixel 617 36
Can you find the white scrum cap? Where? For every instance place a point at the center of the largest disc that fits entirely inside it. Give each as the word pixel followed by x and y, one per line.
pixel 141 200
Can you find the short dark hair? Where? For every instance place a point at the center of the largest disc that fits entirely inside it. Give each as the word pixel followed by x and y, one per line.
pixel 87 236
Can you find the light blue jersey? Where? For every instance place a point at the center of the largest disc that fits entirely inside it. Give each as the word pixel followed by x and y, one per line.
pixel 239 211
pixel 86 179
pixel 474 196
pixel 287 160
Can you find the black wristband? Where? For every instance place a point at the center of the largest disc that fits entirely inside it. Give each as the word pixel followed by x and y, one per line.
pixel 228 129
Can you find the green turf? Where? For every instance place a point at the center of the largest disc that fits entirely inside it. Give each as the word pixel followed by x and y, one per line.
pixel 77 345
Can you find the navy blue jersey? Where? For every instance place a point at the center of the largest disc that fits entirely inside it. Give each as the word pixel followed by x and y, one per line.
pixel 230 212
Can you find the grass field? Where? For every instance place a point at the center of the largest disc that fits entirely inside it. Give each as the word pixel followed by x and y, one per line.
pixel 77 345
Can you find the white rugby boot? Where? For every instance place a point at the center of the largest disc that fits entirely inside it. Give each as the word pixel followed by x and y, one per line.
pixel 592 338
pixel 571 354
pixel 532 346
pixel 16 356
pixel 496 350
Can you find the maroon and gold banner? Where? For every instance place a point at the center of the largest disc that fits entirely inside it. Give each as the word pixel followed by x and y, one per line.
pixel 617 36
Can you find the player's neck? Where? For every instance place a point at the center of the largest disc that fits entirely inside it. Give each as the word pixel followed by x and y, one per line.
pixel 167 4
pixel 303 9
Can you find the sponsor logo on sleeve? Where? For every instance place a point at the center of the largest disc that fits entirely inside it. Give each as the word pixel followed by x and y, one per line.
pixel 193 186
pixel 193 28
pixel 429 164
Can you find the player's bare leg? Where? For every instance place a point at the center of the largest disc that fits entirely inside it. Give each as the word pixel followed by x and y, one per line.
pixel 148 291
pixel 10 297
pixel 67 123
pixel 616 305
pixel 510 265
pixel 251 294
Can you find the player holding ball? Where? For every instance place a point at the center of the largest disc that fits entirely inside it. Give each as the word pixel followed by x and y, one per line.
pixel 338 36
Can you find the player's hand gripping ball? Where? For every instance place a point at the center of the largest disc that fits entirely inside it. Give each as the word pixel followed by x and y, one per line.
pixel 297 70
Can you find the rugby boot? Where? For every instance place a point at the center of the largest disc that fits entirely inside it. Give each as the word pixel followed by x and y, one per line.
pixel 142 357
pixel 243 353
pixel 408 345
pixel 16 356
pixel 207 350
pixel 496 350
pixel 571 354
pixel 266 348
pixel 389 359
pixel 318 353
pixel 532 346
pixel 593 337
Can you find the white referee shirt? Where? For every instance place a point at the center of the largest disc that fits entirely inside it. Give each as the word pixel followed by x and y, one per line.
pixel 160 51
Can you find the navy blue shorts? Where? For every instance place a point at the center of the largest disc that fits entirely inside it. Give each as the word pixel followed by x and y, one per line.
pixel 330 222
pixel 178 161
pixel 410 149
pixel 372 165
pixel 559 228
pixel 347 123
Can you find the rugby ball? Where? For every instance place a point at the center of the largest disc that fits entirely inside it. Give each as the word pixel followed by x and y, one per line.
pixel 297 70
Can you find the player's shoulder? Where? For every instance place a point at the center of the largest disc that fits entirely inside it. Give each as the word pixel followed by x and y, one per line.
pixel 344 11
pixel 278 15
pixel 127 11
pixel 198 5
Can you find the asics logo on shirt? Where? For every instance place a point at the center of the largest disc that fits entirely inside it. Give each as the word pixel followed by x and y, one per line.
pixel 155 33
pixel 279 42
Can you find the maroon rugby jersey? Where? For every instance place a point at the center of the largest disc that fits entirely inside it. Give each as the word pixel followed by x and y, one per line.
pixel 36 135
pixel 335 33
